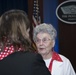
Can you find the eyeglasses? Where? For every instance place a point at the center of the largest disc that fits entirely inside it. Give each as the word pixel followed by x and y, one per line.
pixel 44 40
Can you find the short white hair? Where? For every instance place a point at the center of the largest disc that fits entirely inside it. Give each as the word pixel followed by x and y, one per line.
pixel 45 28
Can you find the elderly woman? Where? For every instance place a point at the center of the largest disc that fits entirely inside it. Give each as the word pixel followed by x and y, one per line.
pixel 44 36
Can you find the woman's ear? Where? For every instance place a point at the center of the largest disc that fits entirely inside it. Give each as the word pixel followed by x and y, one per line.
pixel 53 43
pixel 28 30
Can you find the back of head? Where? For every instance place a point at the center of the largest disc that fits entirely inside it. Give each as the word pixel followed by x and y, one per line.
pixel 13 29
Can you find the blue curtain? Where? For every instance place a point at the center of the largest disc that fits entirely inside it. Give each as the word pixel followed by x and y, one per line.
pixel 49 16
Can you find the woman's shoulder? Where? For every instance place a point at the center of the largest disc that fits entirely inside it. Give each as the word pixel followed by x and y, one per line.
pixel 64 58
pixel 27 54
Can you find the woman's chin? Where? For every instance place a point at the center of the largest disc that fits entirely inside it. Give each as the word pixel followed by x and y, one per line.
pixel 42 52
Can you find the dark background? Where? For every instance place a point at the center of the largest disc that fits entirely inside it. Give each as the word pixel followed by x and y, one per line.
pixel 67 40
pixel 13 4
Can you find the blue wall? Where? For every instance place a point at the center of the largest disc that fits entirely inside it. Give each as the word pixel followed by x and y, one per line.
pixel 49 16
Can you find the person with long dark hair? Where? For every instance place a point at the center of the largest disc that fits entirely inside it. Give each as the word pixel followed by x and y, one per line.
pixel 16 56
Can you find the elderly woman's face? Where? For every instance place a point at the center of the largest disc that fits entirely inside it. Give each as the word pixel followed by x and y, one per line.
pixel 44 43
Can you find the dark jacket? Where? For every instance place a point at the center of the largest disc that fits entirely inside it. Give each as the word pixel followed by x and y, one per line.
pixel 23 63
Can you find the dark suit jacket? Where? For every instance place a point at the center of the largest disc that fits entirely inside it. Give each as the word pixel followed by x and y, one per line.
pixel 23 63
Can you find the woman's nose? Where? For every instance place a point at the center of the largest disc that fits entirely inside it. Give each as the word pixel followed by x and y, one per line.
pixel 41 42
